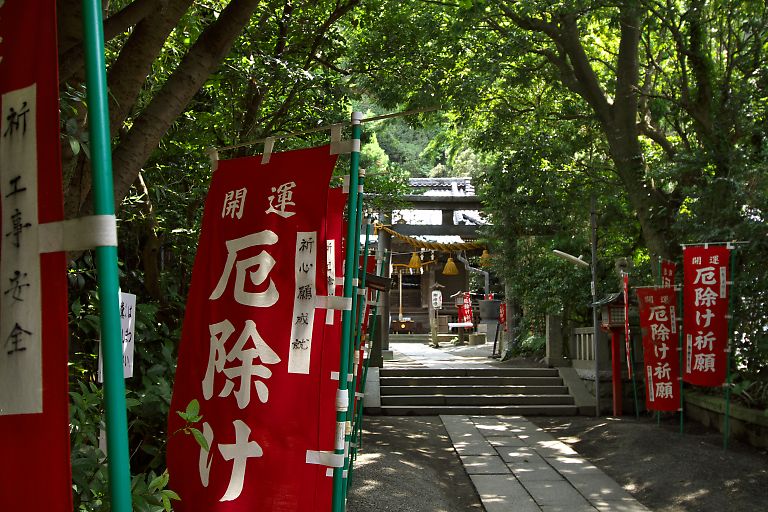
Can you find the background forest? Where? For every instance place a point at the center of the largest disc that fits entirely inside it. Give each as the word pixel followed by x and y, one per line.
pixel 656 108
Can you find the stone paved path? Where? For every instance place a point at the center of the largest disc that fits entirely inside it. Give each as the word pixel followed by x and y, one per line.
pixel 516 466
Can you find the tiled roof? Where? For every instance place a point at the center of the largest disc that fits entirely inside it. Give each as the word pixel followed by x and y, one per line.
pixel 463 183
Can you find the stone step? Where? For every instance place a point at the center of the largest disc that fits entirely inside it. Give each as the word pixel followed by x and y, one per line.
pixel 474 390
pixel 469 372
pixel 490 380
pixel 475 400
pixel 487 410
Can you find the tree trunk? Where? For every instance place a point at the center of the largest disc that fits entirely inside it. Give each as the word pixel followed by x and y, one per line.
pixel 151 125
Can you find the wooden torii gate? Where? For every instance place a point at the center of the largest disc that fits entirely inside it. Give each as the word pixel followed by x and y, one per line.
pixel 447 205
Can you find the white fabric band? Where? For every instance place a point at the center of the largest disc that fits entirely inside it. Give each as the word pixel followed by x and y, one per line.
pixel 338 146
pixel 333 302
pixel 213 156
pixel 330 459
pixel 78 234
pixel 334 375
pixel 342 400
pixel 269 144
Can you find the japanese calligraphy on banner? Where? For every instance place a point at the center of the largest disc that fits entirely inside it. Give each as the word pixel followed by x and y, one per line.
pixel 33 304
pixel 661 361
pixel 706 275
pixel 465 309
pixel 503 315
pixel 251 347
pixel 627 338
pixel 668 271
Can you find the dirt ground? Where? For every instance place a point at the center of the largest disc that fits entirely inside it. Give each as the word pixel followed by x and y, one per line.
pixel 408 464
pixel 666 471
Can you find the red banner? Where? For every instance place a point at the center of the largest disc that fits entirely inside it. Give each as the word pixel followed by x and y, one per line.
pixel 668 271
pixel 465 309
pixel 34 395
pixel 335 230
pixel 627 336
pixel 503 315
pixel 706 277
pixel 658 322
pixel 251 347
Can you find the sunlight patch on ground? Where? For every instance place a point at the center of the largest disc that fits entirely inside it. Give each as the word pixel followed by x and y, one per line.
pixel 367 458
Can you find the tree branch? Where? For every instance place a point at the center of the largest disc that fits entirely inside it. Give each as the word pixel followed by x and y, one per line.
pixel 71 58
pixel 204 56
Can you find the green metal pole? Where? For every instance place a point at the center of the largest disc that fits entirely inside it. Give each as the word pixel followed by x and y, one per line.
pixel 358 341
pixel 356 302
pixel 358 433
pixel 346 318
pixel 728 376
pixel 106 261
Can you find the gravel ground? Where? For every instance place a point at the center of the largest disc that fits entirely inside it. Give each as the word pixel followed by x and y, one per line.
pixel 408 464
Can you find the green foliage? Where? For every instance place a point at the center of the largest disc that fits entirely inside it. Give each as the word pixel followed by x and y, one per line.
pixel 531 345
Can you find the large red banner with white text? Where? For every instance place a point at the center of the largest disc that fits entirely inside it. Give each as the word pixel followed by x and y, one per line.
pixel 661 359
pixel 34 420
pixel 706 274
pixel 251 347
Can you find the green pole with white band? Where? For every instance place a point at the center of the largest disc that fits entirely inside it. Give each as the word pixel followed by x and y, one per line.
pixel 350 262
pixel 106 260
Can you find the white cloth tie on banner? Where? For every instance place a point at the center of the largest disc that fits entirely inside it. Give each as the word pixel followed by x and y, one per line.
pixel 330 459
pixel 333 302
pixel 78 234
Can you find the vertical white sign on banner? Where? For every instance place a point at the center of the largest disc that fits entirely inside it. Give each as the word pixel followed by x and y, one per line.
pixel 303 303
pixel 21 364
pixel 331 277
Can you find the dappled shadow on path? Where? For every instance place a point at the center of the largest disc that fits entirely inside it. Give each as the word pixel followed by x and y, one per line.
pixel 666 471
pixel 409 464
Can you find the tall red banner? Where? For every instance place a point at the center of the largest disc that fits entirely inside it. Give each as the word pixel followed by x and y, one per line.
pixel 251 347
pixel 661 361
pixel 34 420
pixel 668 271
pixel 329 377
pixel 627 337
pixel 706 273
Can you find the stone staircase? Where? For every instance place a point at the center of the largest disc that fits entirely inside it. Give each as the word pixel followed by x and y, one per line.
pixel 474 391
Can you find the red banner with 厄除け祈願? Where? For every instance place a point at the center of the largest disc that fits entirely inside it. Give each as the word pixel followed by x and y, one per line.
pixel 252 339
pixel 661 357
pixel 706 277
